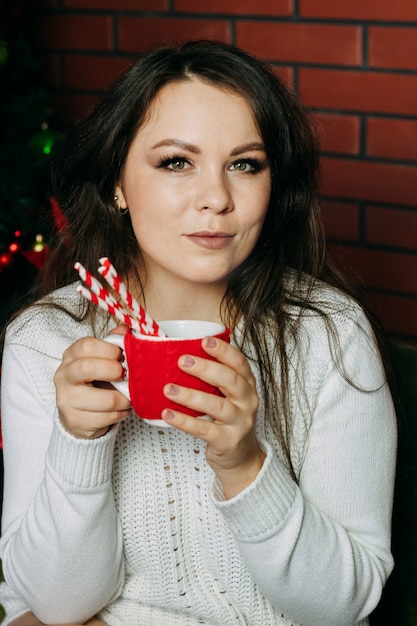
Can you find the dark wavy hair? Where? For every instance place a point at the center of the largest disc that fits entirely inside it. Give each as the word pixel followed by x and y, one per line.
pixel 90 160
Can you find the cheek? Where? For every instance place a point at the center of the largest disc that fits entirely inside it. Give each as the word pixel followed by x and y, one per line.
pixel 252 233
pixel 258 217
pixel 153 232
pixel 254 228
pixel 258 201
pixel 145 231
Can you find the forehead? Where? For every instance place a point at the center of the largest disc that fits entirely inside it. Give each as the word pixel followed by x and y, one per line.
pixel 194 104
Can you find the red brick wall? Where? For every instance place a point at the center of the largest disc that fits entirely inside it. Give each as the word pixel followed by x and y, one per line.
pixel 353 62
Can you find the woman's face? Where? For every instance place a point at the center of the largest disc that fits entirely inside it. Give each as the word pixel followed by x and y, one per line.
pixel 197 184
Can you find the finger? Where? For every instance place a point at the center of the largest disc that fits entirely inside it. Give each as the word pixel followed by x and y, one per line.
pixel 199 427
pixel 91 411
pixel 88 422
pixel 121 329
pixel 227 354
pixel 234 384
pixel 220 411
pixel 91 399
pixel 216 407
pixel 87 399
pixel 88 369
pixel 91 347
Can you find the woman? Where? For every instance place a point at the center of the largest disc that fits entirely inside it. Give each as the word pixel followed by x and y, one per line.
pixel 197 176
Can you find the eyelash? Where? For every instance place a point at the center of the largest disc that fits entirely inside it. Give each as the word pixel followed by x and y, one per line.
pixel 255 164
pixel 165 162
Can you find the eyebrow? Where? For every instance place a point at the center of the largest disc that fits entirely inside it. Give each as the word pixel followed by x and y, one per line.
pixel 256 145
pixel 196 150
pixel 177 143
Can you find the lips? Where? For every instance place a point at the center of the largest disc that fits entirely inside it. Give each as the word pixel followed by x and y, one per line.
pixel 211 240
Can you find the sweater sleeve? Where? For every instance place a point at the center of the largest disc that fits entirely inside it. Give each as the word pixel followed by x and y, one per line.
pixel 61 543
pixel 320 549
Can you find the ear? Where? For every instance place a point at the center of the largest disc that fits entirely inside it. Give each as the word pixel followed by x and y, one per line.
pixel 121 200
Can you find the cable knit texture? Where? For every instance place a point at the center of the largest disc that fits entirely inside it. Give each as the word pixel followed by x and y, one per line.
pixel 134 526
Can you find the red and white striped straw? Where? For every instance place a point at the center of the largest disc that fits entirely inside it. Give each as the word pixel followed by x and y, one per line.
pixel 100 296
pixel 109 272
pixel 109 308
pixel 147 324
pixel 140 321
pixel 95 286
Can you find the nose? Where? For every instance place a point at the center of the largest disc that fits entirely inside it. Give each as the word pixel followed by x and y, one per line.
pixel 215 192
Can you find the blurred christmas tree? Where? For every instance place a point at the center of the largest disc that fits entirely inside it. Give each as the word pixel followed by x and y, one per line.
pixel 26 142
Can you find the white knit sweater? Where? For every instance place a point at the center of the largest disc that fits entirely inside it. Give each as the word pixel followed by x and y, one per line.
pixel 133 526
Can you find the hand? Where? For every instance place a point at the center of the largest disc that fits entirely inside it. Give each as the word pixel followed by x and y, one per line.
pixel 87 408
pixel 27 619
pixel 233 451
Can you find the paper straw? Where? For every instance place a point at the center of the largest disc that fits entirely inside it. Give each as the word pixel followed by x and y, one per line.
pixel 97 288
pixel 109 272
pixel 100 296
pixel 106 306
pixel 147 324
pixel 94 285
pixel 95 292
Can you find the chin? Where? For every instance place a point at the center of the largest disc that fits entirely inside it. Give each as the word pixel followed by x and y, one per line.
pixel 208 279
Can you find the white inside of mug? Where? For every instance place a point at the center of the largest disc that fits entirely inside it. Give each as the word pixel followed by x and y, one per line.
pixel 186 329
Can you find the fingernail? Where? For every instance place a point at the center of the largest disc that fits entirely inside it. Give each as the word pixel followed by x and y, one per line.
pixel 172 390
pixel 210 342
pixel 187 361
pixel 168 415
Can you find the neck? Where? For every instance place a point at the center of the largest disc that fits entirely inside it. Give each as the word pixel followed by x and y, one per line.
pixel 172 301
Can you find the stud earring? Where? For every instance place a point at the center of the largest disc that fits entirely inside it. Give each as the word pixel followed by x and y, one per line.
pixel 122 210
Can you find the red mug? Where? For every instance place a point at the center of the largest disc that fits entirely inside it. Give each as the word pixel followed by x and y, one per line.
pixel 152 361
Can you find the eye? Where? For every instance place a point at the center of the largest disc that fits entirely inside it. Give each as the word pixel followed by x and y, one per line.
pixel 175 164
pixel 249 166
